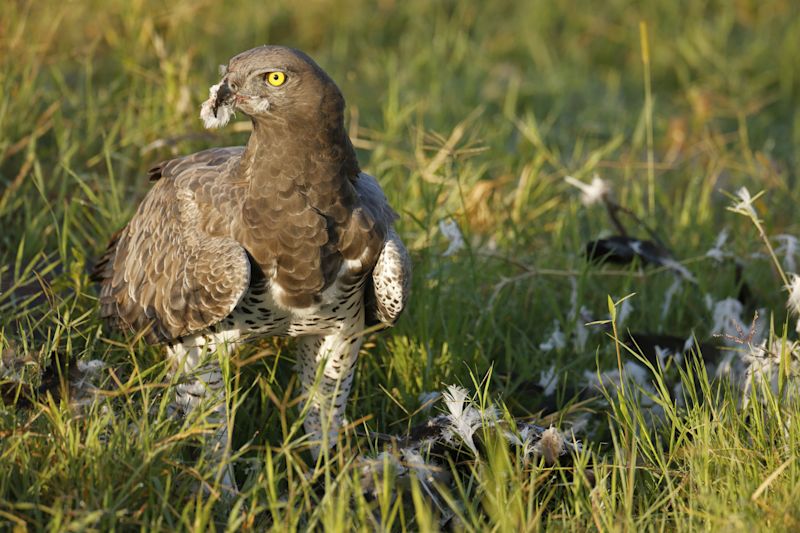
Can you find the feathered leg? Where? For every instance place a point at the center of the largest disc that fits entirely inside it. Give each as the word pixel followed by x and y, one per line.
pixel 326 395
pixel 195 361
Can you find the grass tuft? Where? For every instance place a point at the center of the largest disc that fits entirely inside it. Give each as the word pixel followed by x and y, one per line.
pixel 472 115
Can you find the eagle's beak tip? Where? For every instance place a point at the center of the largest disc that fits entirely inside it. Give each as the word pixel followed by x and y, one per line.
pixel 224 93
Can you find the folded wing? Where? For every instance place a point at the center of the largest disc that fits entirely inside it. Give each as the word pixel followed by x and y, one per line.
pixel 389 286
pixel 163 273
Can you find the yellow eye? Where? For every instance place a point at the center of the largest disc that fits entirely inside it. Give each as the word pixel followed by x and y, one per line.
pixel 276 79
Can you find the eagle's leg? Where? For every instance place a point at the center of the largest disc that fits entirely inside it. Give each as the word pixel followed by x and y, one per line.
pixel 326 389
pixel 200 384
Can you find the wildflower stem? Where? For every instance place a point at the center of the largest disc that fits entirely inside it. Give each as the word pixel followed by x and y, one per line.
pixel 648 118
pixel 763 235
pixel 745 207
pixel 613 312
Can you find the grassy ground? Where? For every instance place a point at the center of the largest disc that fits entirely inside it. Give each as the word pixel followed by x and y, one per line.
pixel 470 110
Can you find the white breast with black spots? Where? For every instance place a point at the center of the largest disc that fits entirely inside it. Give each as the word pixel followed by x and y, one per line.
pixel 258 315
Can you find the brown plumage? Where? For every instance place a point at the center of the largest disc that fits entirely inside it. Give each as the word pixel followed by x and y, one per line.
pixel 285 236
pixel 288 205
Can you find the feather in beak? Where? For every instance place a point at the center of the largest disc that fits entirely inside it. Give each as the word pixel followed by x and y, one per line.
pixel 216 112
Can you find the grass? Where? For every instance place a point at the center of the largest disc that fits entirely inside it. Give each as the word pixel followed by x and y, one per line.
pixel 470 110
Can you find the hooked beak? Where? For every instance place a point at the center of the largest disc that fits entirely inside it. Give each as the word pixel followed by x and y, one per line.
pixel 224 94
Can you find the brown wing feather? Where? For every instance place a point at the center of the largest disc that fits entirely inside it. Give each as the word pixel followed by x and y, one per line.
pixel 164 270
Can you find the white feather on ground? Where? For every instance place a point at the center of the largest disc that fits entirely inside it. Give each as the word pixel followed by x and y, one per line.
pixel 452 233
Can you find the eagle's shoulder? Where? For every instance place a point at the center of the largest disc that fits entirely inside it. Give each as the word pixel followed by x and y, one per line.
pixel 205 162
pixel 373 199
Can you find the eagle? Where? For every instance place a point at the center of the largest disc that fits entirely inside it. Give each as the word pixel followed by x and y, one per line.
pixel 285 236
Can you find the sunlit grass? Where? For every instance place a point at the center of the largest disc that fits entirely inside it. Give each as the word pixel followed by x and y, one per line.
pixel 474 111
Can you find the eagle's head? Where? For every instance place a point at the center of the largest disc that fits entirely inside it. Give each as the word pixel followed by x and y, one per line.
pixel 273 83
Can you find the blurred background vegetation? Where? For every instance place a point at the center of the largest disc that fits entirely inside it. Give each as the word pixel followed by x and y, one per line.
pixel 470 110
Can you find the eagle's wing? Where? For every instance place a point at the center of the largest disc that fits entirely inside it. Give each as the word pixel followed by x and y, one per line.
pixel 389 286
pixel 391 282
pixel 164 271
